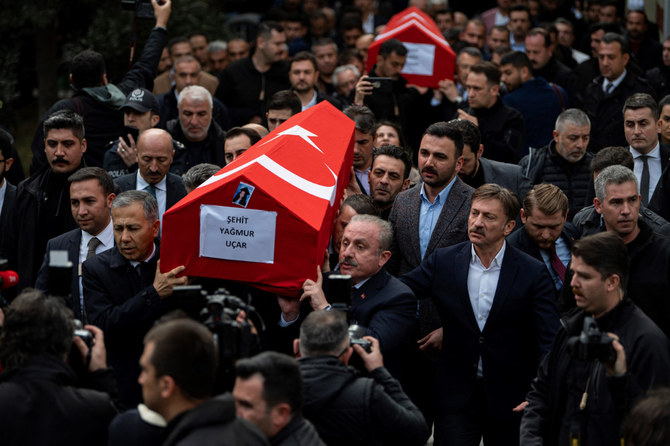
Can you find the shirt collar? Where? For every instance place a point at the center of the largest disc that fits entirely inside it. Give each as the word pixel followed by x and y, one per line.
pixel 106 236
pixel 497 260
pixel 616 81
pixel 135 262
pixel 655 153
pixel 141 184
pixel 442 196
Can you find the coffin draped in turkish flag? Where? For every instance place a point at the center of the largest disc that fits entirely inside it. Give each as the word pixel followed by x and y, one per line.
pixel 429 57
pixel 266 218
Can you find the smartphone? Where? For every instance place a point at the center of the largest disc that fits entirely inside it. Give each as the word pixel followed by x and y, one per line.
pixel 378 81
pixel 133 131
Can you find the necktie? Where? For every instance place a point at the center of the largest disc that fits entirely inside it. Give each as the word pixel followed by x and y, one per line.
pixel 556 264
pixel 609 88
pixel 92 245
pixel 644 180
pixel 151 189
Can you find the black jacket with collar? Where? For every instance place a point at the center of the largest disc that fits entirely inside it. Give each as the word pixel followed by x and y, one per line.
pixel 347 408
pixel 561 380
pixel 212 422
pixel 41 404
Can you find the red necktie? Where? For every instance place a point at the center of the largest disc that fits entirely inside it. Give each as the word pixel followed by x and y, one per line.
pixel 557 264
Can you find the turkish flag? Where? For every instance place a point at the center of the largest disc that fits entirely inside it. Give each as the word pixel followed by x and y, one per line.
pixel 266 218
pixel 430 59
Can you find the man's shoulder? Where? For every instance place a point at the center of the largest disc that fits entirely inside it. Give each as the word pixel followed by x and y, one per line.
pixel 389 285
pixel 127 181
pixel 214 422
pixel 500 167
pixel 64 239
pixel 104 262
pixel 408 196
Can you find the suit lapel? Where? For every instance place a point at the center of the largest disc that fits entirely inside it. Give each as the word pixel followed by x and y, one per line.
pixel 508 275
pixel 461 270
pixel 452 205
pixel 414 213
pixel 369 289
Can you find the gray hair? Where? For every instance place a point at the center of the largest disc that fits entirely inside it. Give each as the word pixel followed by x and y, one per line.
pixel 615 175
pixel 216 46
pixel 572 116
pixel 342 69
pixel 148 202
pixel 385 229
pixel 324 333
pixel 198 174
pixel 196 93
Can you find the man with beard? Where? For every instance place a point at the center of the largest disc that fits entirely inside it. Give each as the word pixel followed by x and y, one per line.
pixel 424 219
pixel 42 206
pixel 389 175
pixel 565 161
pixel 202 137
pixel 247 84
pixel 303 74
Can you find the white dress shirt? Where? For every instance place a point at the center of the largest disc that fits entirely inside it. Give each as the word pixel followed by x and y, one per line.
pixel 482 285
pixel 106 238
pixel 161 193
pixel 655 167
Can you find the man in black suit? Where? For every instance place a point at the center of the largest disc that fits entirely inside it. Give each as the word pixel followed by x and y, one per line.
pixel 91 196
pixel 499 317
pixel 477 170
pixel 7 190
pixel 424 218
pixel 650 157
pixel 154 157
pixel 124 289
pixel 546 234
pixel 380 303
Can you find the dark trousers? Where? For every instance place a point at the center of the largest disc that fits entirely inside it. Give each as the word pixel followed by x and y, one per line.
pixel 467 427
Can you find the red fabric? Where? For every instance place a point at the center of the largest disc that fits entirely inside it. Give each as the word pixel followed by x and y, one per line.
pixel 414 26
pixel 304 221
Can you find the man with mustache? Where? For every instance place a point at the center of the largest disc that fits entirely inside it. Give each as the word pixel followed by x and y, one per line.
pixel 380 303
pixel 202 137
pixel 499 316
pixel 389 175
pixel 154 157
pixel 42 207
pixel 565 160
pixel 575 400
pixel 424 218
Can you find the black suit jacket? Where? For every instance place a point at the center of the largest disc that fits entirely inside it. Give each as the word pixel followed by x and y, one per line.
pixel 659 202
pixel 124 304
pixel 519 329
pixel 69 242
pixel 7 207
pixel 451 228
pixel 174 185
pixel 386 308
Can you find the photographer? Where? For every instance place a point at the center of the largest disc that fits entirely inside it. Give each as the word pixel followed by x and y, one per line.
pixel 346 408
pixel 586 384
pixel 40 402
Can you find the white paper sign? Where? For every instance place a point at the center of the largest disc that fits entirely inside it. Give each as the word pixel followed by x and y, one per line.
pixel 246 235
pixel 420 57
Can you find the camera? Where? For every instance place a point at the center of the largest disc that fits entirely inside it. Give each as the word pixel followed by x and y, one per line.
pixel 377 82
pixel 356 333
pixel 84 334
pixel 339 287
pixel 143 8
pixel 592 344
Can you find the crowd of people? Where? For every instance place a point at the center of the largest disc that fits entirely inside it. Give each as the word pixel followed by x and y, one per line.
pixel 505 235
